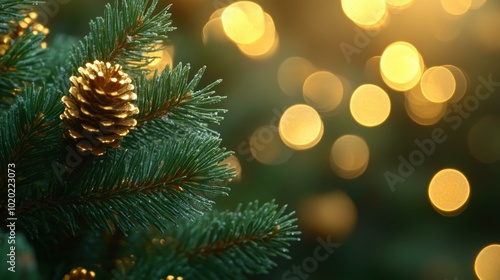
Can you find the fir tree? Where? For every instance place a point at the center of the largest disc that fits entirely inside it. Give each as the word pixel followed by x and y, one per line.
pixel 134 200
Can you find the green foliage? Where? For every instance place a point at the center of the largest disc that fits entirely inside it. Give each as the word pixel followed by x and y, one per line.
pixel 13 11
pixel 78 209
pixel 219 245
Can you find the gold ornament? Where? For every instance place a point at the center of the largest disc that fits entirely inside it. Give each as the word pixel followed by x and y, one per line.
pixel 28 24
pixel 171 277
pixel 79 273
pixel 98 112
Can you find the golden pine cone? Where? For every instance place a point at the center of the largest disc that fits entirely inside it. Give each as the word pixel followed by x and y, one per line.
pixel 79 273
pixel 28 24
pixel 98 112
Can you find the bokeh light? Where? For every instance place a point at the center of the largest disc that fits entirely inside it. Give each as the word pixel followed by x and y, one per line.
pixel 438 84
pixel 370 105
pixel 301 127
pixel 266 146
pixel 449 192
pixel 349 156
pixel 401 66
pixel 421 110
pixel 323 91
pixel 233 162
pixel 162 59
pixel 243 22
pixel 484 138
pixel 487 264
pixel 399 3
pixel 333 214
pixel 365 13
pixel 292 73
pixel 372 70
pixel 456 7
pixel 213 31
pixel 460 83
pixel 266 45
pixel 476 4
pixel 486 29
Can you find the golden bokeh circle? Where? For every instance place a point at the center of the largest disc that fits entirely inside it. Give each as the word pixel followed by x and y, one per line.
pixel 292 73
pixel 349 156
pixel 449 192
pixel 301 127
pixel 370 105
pixel 438 84
pixel 487 263
pixel 365 12
pixel 401 66
pixel 323 91
pixel 456 7
pixel 243 22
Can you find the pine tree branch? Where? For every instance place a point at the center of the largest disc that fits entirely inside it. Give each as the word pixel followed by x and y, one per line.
pixel 223 245
pixel 30 134
pixel 13 11
pixel 125 35
pixel 149 186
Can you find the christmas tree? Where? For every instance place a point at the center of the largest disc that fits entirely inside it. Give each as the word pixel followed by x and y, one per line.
pixel 108 170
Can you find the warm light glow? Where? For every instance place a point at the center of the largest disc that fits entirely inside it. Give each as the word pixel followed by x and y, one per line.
pixel 476 4
pixel 401 66
pixel 213 30
pixel 265 45
pixel 292 73
pixel 486 29
pixel 370 105
pixel 365 12
pixel 487 264
pixel 162 58
pixel 456 7
pixel 483 139
pixel 460 83
pixel 438 84
pixel 421 110
pixel 349 156
pixel 399 3
pixel 333 214
pixel 233 162
pixel 449 192
pixel 301 127
pixel 323 90
pixel 243 22
pixel 266 146
pixel 448 29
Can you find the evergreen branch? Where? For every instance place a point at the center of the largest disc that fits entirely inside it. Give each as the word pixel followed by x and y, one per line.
pixel 30 134
pixel 226 245
pixel 170 105
pixel 125 35
pixel 21 63
pixel 149 186
pixel 13 11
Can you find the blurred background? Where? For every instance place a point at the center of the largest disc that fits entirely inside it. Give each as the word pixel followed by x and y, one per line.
pixel 377 121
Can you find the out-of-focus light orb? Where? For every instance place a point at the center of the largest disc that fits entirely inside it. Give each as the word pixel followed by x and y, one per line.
pixel 323 91
pixel 486 29
pixel 365 12
pixel 421 110
pixel 292 73
pixel 401 66
pixel 333 214
pixel 266 146
pixel 448 29
pixel 399 3
pixel 233 162
pixel 349 156
pixel 476 4
pixel 438 84
pixel 162 59
pixel 266 45
pixel 456 7
pixel 213 30
pixel 460 83
pixel 243 22
pixel 487 264
pixel 301 127
pixel 370 105
pixel 449 192
pixel 484 138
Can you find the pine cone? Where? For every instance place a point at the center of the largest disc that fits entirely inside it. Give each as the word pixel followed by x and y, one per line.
pixel 79 273
pixel 98 113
